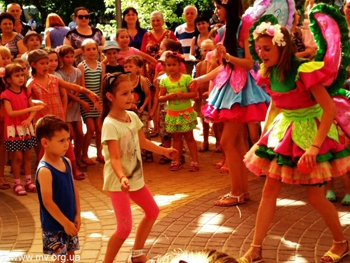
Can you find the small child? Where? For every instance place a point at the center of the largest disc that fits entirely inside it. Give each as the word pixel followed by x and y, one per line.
pixel 57 194
pixel 71 74
pixel 53 67
pixel 32 41
pixel 159 110
pixel 5 54
pixel 123 40
pixel 181 118
pixel 122 138
pixel 92 72
pixel 18 128
pixel 110 51
pixel 24 65
pixel 46 88
pixel 133 65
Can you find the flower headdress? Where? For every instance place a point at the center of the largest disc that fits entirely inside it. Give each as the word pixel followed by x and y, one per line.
pixel 265 28
pixel 224 2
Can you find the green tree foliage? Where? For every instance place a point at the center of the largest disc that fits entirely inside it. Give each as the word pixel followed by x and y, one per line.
pixel 171 9
pixel 63 8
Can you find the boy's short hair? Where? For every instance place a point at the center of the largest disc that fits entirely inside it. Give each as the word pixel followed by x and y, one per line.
pixel 48 125
pixel 36 55
pixel 135 59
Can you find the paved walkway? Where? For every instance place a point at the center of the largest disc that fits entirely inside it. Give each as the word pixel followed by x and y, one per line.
pixel 188 218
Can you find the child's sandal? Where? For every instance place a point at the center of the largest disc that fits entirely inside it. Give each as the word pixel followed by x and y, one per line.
pixel 175 166
pixel 3 184
pixel 194 167
pixel 30 187
pixel 19 190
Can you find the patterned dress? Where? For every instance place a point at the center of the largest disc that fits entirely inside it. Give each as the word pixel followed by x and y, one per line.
pixel 180 117
pixel 50 95
pixel 295 128
pixel 93 83
pixel 151 46
pixel 17 137
pixel 12 45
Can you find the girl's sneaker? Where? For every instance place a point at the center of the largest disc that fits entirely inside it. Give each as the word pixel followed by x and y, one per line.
pixel 194 167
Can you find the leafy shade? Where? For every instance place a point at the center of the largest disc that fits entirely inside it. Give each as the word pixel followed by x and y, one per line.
pixel 265 18
pixel 322 42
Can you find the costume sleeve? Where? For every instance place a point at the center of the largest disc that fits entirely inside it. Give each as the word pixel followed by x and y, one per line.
pixel 314 72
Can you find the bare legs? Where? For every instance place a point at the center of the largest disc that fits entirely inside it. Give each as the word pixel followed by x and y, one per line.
pixel 233 143
pixel 316 198
pixel 93 125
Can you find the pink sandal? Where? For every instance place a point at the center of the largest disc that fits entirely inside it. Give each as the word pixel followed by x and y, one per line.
pixel 19 190
pixel 175 166
pixel 30 187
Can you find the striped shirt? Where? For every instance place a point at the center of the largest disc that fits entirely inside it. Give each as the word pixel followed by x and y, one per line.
pixel 184 37
pixel 92 82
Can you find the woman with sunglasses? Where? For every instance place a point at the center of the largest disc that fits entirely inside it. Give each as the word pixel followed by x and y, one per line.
pixel 83 31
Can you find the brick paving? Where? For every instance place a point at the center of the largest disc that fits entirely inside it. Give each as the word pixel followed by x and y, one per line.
pixel 188 218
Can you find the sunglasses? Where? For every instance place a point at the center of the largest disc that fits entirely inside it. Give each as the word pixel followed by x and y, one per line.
pixel 84 16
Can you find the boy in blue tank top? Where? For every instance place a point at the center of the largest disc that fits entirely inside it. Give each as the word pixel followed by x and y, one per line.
pixel 58 196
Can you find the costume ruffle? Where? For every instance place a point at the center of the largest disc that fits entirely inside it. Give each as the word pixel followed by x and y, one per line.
pixel 227 102
pixel 311 73
pixel 293 132
pixel 281 171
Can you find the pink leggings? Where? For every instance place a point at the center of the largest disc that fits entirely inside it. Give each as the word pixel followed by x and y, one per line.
pixel 122 208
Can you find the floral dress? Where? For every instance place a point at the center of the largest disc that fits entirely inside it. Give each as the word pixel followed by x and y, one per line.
pixel 151 45
pixel 294 130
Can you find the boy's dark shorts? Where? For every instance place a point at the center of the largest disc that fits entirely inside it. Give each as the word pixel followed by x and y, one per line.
pixel 59 243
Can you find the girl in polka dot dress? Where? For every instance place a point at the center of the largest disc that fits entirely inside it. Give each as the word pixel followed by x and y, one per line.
pixel 19 134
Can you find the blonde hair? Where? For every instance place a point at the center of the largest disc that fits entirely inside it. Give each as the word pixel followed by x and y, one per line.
pixel 88 41
pixel 208 42
pixel 5 52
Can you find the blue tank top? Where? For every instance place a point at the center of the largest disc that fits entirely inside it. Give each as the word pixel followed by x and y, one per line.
pixel 62 194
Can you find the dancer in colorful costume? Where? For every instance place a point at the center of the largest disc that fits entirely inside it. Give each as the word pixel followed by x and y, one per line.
pixel 300 143
pixel 236 99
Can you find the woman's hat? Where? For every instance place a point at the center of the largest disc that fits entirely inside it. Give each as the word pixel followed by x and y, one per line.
pixel 35 55
pixel 32 33
pixel 110 45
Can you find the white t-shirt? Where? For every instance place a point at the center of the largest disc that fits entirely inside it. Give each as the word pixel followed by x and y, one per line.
pixel 129 148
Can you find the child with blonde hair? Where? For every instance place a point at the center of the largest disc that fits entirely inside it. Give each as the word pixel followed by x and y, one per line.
pixel 5 54
pixel 92 73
